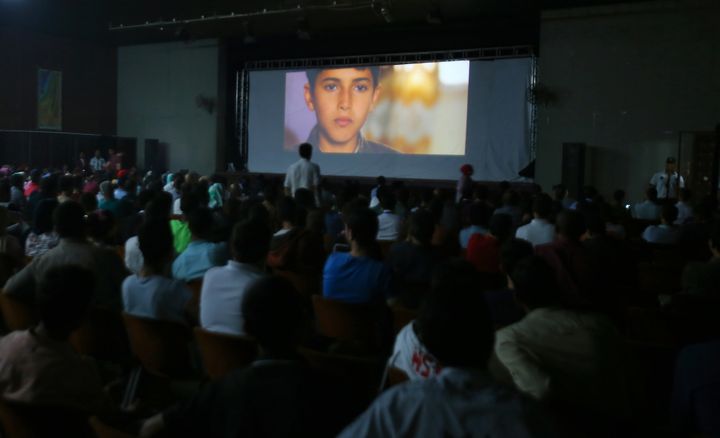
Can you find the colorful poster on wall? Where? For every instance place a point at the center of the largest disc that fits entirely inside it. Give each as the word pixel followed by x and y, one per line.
pixel 49 99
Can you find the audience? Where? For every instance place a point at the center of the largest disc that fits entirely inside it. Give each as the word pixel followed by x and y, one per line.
pixel 224 287
pixel 559 355
pixel 539 231
pixel 483 250
pixel 278 395
pixel 200 254
pixel 358 276
pixel 703 279
pixel 38 366
pixel 388 221
pixel 458 396
pixel 152 293
pixel 649 209
pixel 479 216
pixel 685 212
pixel 156 210
pixel 665 233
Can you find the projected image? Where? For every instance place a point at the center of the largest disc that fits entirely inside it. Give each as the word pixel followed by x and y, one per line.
pixel 417 109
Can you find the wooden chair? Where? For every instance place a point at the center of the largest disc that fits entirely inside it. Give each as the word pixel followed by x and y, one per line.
pixel 402 317
pixel 17 314
pixel 345 321
pixel 102 430
pixel 223 353
pixel 307 285
pixel 160 346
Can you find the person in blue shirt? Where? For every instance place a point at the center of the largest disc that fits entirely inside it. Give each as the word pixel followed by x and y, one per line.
pixel 201 254
pixel 358 276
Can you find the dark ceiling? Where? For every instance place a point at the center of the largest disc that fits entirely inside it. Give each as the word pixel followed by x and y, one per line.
pixel 397 23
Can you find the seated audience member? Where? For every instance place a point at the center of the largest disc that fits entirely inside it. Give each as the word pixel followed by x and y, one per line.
pixel 703 279
pixel 156 210
pixel 588 197
pixel 42 236
pixel 89 202
pixel 101 229
pixel 9 244
pixel 483 250
pixel 696 391
pixel 619 211
pixel 510 201
pixel 413 260
pixel 504 309
pixel 693 236
pixel 189 202
pixel 294 247
pixel 569 258
pixel 224 287
pixel 152 293
pixel 17 197
pixel 388 221
pixel 200 254
pixel 276 396
pixel 73 248
pixel 39 366
pixel 649 209
pixel 479 216
pixel 66 188
pixel 451 392
pixel 33 184
pixel 358 276
pixel 665 233
pixel 374 198
pixel 108 201
pixel 613 255
pixel 557 355
pixel 539 230
pixel 47 190
pixel 685 212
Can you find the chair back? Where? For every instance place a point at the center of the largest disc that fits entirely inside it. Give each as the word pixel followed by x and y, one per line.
pixel 307 284
pixel 363 374
pixel 17 314
pixel 345 321
pixel 160 346
pixel 223 353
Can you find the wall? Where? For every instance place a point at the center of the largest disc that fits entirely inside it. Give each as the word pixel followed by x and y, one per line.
pixel 88 81
pixel 628 78
pixel 157 88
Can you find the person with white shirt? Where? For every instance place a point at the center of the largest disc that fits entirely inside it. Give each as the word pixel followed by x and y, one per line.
pixel 649 209
pixel 224 287
pixel 668 181
pixel 539 231
pixel 151 293
pixel 388 222
pixel 97 163
pixel 665 233
pixel 458 398
pixel 303 174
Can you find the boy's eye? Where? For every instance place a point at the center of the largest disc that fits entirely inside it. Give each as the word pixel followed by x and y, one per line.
pixel 330 87
pixel 361 87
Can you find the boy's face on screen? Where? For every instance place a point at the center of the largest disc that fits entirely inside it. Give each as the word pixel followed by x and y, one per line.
pixel 342 99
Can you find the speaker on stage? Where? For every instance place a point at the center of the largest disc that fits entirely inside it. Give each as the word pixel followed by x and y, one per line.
pixel 573 168
pixel 155 155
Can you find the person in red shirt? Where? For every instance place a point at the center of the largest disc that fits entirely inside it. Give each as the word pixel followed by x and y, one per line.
pixel 483 250
pixel 34 184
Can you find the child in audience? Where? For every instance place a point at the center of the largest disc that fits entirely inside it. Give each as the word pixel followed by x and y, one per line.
pixel 200 254
pixel 665 233
pixel 152 293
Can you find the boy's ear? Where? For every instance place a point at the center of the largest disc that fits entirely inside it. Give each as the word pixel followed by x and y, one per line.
pixel 308 97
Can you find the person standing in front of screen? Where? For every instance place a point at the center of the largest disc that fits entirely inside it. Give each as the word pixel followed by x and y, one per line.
pixel 342 98
pixel 668 182
pixel 302 174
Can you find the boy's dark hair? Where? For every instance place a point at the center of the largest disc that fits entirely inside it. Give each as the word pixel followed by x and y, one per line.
pixel 69 220
pixel 250 241
pixel 362 222
pixel 479 214
pixel 305 150
pixel 312 75
pixel 159 207
pixel 454 307
pixel 421 226
pixel 512 251
pixel 570 224
pixel 501 226
pixel 156 242
pixel 543 206
pixel 535 283
pixel 100 225
pixel 669 213
pixel 200 222
pixel 63 298
pixel 274 314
